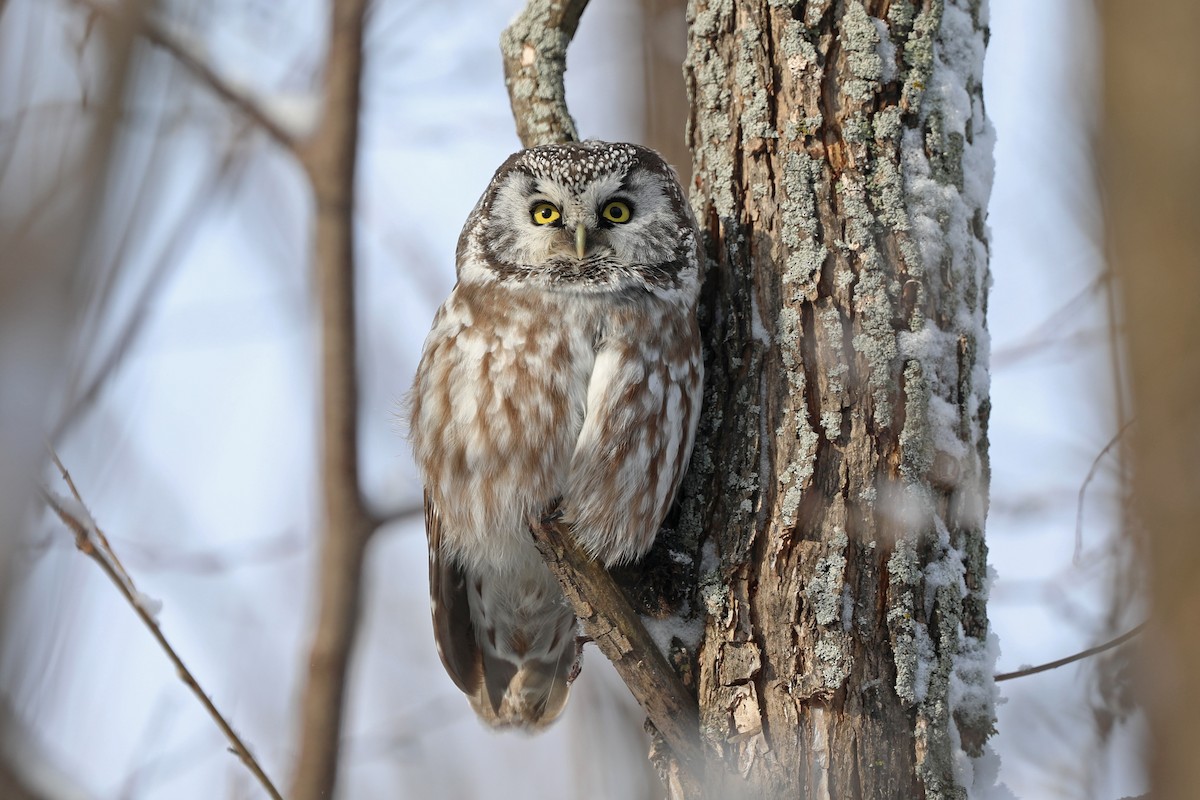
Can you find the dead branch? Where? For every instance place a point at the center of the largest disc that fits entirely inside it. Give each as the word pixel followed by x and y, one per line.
pixel 534 48
pixel 1062 662
pixel 330 159
pixel 201 71
pixel 616 629
pixel 92 543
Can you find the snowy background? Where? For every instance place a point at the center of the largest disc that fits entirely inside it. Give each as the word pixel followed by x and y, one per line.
pixel 195 455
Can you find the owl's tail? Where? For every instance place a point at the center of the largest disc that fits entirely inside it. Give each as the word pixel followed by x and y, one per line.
pixel 528 651
pixel 506 637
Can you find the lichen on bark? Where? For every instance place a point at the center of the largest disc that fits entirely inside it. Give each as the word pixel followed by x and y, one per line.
pixel 841 176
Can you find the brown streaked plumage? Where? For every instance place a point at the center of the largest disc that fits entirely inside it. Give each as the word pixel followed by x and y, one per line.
pixel 553 376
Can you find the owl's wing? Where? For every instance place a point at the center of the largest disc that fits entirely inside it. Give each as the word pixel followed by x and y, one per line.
pixel 643 402
pixel 452 629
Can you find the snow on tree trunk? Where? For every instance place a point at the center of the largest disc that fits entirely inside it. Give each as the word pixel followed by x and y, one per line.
pixel 838 490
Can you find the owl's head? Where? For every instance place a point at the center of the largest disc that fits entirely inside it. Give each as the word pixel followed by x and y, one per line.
pixel 585 217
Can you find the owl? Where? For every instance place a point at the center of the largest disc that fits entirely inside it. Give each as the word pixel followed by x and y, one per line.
pixel 562 373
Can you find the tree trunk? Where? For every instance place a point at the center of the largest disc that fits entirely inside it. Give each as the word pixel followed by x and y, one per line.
pixel 837 495
pixel 1151 165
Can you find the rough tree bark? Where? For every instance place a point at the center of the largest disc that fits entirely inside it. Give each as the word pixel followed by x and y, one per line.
pixel 838 490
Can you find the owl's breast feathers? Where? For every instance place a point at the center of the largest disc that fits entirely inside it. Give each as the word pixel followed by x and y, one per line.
pixel 522 397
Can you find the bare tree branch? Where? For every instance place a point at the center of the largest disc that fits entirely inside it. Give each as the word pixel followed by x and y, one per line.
pixel 1071 659
pixel 616 629
pixel 534 48
pixel 330 159
pixel 202 72
pixel 92 543
pixel 1084 487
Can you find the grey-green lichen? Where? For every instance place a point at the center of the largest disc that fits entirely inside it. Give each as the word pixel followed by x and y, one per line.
pixel 833 659
pixel 887 124
pixel 945 149
pixel 857 128
pixel 829 320
pixel 814 10
pixel 918 54
pixel 824 588
pixel 788 332
pixel 535 52
pixel 826 595
pixel 755 119
pixel 900 16
pixel 805 254
pixel 887 195
pixel 860 41
pixel 796 476
pixel 876 339
pixel 916 446
pixel 904 575
pixel 714 596
pixel 712 99
pixel 797 50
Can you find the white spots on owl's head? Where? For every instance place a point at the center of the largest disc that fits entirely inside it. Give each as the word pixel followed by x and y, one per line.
pixel 579 163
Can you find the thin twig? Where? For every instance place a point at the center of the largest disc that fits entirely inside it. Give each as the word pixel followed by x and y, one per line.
pixel 534 48
pixel 92 543
pixel 109 552
pixel 616 629
pixel 202 72
pixel 1062 662
pixel 1084 487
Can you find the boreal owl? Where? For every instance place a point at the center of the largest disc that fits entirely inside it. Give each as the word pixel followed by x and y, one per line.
pixel 564 368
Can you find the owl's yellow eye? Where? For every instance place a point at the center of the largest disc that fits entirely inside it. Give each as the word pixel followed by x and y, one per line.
pixel 616 211
pixel 544 213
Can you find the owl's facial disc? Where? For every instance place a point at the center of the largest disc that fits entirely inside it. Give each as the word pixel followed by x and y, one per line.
pixel 586 217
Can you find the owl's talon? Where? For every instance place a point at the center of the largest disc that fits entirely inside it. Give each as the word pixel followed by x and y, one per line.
pixel 554 513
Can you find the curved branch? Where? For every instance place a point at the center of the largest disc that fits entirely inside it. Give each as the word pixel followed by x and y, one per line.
pixel 534 47
pixel 616 629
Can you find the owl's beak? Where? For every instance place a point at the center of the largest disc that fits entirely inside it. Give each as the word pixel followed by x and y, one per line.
pixel 580 240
